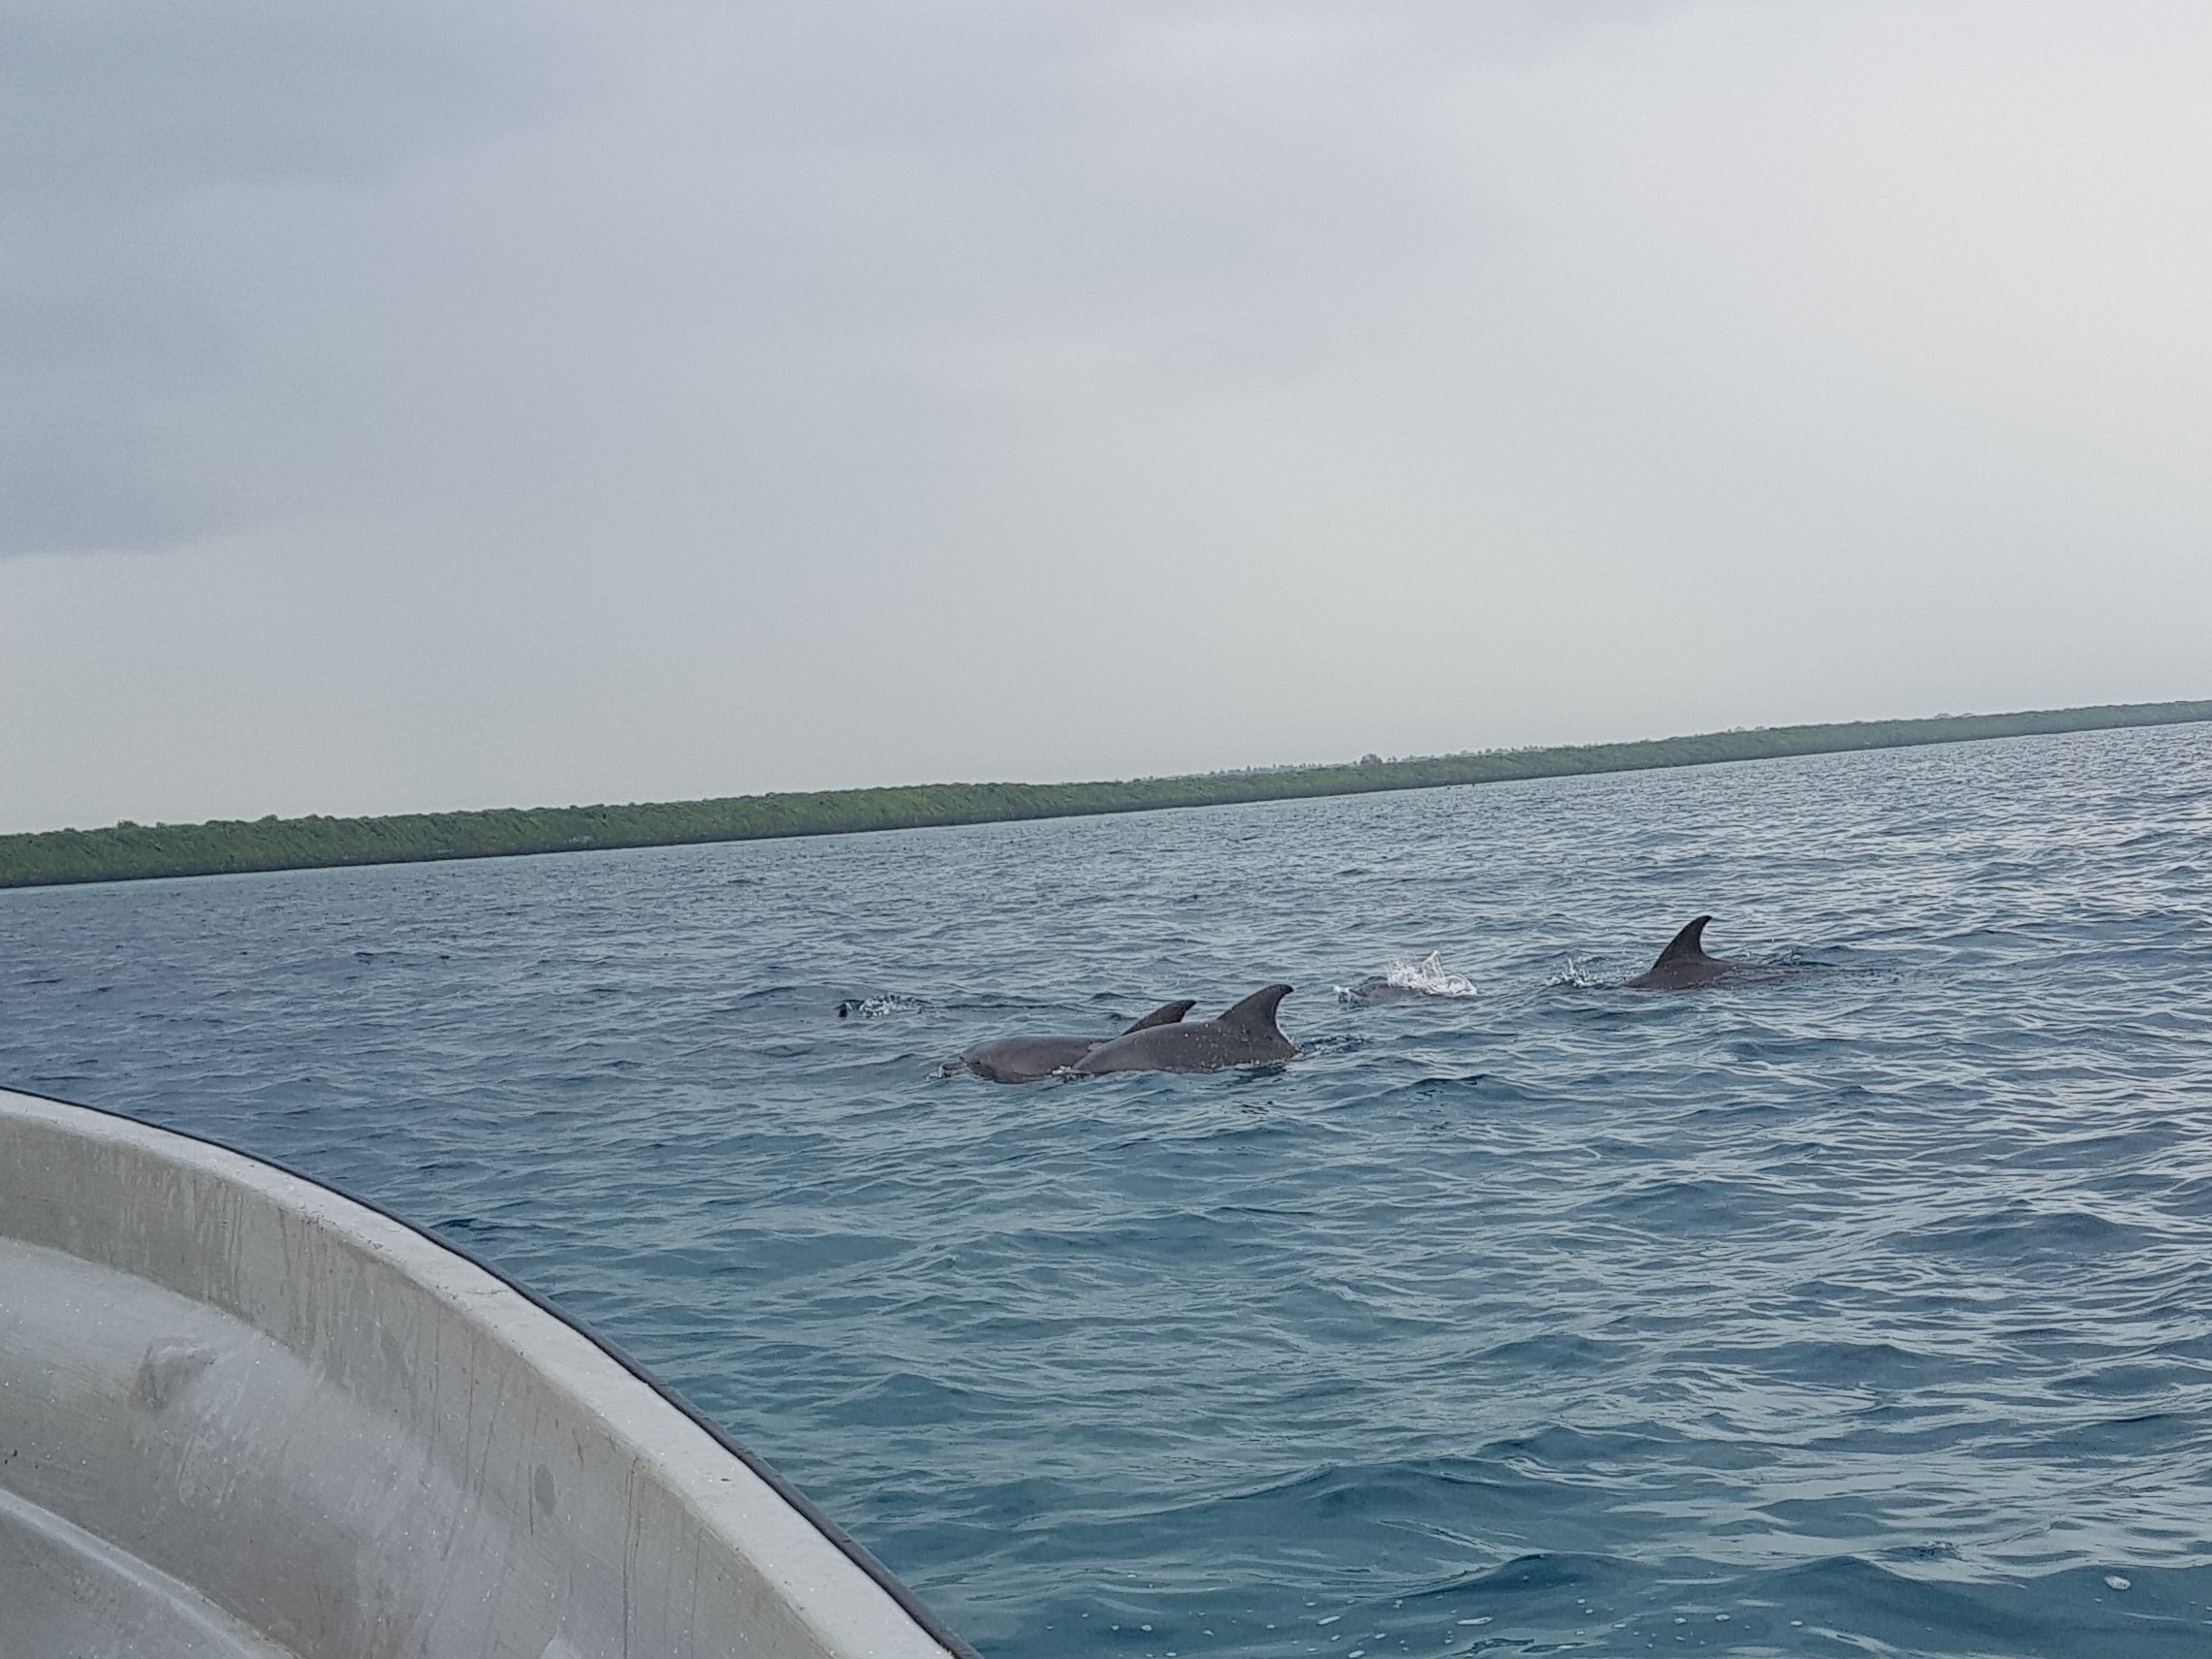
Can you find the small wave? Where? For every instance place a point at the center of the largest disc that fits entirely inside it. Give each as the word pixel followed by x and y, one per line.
pixel 1575 977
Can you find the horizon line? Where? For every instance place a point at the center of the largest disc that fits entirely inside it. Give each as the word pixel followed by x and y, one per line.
pixel 127 850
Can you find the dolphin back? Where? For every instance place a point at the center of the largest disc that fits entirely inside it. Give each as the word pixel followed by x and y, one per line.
pixel 1684 966
pixel 1254 1016
pixel 1167 1013
pixel 1246 1035
pixel 1023 1058
pixel 1029 1059
pixel 1688 946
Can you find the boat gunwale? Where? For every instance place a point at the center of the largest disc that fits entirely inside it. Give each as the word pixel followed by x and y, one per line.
pixel 858 1553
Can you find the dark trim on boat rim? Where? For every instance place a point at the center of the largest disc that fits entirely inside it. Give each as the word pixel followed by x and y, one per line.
pixel 850 1547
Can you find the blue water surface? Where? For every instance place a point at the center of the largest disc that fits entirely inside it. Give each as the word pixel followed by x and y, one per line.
pixel 1866 1309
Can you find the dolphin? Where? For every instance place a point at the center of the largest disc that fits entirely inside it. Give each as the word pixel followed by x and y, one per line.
pixel 1246 1035
pixel 1684 966
pixel 1376 989
pixel 1027 1059
pixel 1426 980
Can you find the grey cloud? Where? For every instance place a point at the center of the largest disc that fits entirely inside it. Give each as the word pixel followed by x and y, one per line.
pixel 111 106
pixel 593 401
pixel 112 367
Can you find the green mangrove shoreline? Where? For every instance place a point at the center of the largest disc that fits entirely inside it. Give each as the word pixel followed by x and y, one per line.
pixel 128 851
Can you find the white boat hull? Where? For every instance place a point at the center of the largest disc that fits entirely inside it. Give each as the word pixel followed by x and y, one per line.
pixel 243 1414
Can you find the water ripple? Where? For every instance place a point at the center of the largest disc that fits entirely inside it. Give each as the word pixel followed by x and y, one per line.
pixel 1868 1310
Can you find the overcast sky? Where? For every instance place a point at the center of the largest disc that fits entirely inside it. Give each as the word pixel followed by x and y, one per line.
pixel 465 404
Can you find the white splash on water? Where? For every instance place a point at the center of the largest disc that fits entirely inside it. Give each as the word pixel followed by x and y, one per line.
pixel 1430 977
pixel 877 1008
pixel 1427 977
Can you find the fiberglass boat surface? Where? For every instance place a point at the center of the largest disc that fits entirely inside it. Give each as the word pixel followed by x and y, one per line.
pixel 242 1414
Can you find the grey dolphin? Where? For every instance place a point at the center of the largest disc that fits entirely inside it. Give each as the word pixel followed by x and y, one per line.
pixel 1376 989
pixel 1684 966
pixel 1424 981
pixel 1027 1059
pixel 1242 1036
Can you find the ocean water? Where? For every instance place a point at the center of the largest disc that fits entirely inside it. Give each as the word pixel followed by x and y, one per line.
pixel 1867 1310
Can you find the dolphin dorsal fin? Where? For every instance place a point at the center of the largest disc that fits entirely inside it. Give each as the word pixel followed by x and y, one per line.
pixel 1688 946
pixel 1167 1013
pixel 1256 1012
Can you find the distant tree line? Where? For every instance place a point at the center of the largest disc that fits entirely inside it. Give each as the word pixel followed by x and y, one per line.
pixel 130 852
